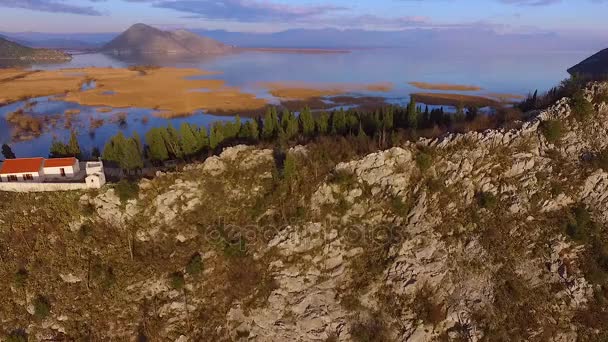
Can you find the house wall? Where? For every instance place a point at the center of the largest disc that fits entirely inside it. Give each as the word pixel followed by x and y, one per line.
pixel 93 182
pixel 36 175
pixel 55 172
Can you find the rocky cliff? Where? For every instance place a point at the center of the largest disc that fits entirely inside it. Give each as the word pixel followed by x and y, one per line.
pixel 493 236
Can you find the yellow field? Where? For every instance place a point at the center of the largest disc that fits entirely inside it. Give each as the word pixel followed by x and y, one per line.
pixel 444 86
pixel 306 91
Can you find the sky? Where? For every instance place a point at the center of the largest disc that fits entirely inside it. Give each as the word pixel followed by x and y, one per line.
pixel 566 17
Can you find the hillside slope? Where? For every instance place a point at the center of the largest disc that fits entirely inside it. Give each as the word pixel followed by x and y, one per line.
pixel 10 50
pixel 594 67
pixel 493 236
pixel 141 39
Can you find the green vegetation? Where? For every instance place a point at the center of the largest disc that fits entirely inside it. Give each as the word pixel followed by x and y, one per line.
pixel 7 152
pixel 195 264
pixel 371 329
pixel 486 200
pixel 71 149
pixel 18 335
pixel 552 130
pixel 177 280
pixel 581 108
pixel 426 308
pixel 126 190
pixel 424 161
pixel 42 307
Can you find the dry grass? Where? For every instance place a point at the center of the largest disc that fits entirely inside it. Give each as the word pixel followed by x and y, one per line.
pixel 444 86
pixel 305 91
pixel 166 89
pixel 455 100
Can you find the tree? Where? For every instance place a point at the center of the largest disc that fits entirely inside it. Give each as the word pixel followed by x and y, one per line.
pixel 171 137
pixel 271 124
pixel 7 152
pixel 131 158
pixel 289 169
pixel 189 143
pixel 289 125
pixel 412 115
pixel 73 148
pixel 202 138
pixel 322 123
pixel 58 149
pixel 338 122
pixel 137 139
pixel 156 145
pixel 115 149
pixel 217 135
pixel 307 122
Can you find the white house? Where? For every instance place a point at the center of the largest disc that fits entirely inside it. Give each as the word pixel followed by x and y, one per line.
pixel 22 170
pixel 61 168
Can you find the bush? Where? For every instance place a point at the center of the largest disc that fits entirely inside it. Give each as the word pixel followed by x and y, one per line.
pixel 18 335
pixel 21 277
pixel 424 161
pixel 177 280
pixel 486 200
pixel 602 160
pixel 343 178
pixel 42 307
pixel 126 190
pixel 581 108
pixel 426 309
pixel 552 130
pixel 195 265
pixel 369 330
pixel 580 226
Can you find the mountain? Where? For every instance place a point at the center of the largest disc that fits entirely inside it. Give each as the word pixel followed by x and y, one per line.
pixel 595 67
pixel 14 51
pixel 141 39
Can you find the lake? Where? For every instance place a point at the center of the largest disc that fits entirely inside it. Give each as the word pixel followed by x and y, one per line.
pixel 512 73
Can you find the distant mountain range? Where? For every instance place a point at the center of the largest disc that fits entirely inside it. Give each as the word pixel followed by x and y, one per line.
pixel 141 39
pixel 474 39
pixel 14 51
pixel 595 66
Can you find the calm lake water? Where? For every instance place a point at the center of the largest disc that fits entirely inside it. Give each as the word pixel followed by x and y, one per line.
pixel 514 73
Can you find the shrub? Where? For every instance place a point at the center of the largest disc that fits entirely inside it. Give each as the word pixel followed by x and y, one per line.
pixel 424 161
pixel 426 309
pixel 42 307
pixel 342 177
pixel 369 330
pixel 552 130
pixel 177 280
pixel 195 265
pixel 602 159
pixel 126 190
pixel 580 227
pixel 21 277
pixel 581 108
pixel 18 335
pixel 486 200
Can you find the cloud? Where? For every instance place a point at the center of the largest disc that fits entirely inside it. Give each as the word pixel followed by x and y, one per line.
pixel 49 6
pixel 245 10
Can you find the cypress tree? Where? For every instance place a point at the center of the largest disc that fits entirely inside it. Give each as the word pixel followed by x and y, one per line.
pixel 202 138
pixel 217 135
pixel 131 157
pixel 289 169
pixel 307 122
pixel 7 152
pixel 290 126
pixel 58 149
pixel 322 124
pixel 172 141
pixel 137 138
pixel 156 145
pixel 73 148
pixel 412 115
pixel 270 124
pixel 189 143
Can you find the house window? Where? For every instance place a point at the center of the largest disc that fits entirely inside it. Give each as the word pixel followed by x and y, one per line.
pixel 62 171
pixel 12 178
pixel 28 177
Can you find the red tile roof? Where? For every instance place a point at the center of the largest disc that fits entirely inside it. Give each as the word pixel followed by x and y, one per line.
pixel 21 165
pixel 59 162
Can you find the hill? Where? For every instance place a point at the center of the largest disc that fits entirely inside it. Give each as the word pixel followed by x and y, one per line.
pixel 595 67
pixel 13 51
pixel 498 235
pixel 141 39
